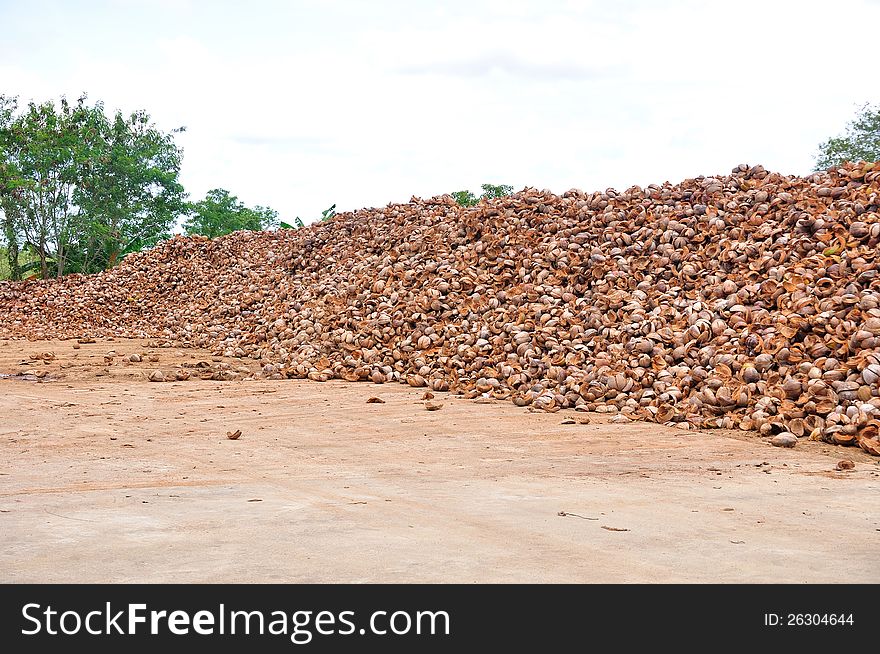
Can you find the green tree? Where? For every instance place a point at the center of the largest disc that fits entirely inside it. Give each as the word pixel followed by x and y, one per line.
pixel 859 142
pixel 43 152
pixel 491 191
pixel 11 229
pixel 79 189
pixel 10 204
pixel 221 213
pixel 465 198
pixel 129 195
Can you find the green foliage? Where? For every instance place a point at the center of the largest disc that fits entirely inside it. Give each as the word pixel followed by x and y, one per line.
pixel 465 198
pixel 860 141
pixel 327 214
pixel 221 213
pixel 43 155
pixel 130 195
pixel 8 205
pixel 490 191
pixel 79 189
pixel 26 262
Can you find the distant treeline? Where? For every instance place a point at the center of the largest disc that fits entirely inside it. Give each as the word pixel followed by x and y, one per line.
pixel 80 188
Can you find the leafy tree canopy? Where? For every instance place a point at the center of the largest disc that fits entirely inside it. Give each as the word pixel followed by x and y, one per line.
pixel 465 198
pixel 490 191
pixel 79 189
pixel 859 142
pixel 221 213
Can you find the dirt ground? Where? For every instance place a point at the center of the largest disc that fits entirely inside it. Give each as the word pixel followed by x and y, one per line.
pixel 108 477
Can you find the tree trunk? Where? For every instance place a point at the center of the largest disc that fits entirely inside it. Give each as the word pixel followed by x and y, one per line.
pixel 41 249
pixel 59 260
pixel 9 221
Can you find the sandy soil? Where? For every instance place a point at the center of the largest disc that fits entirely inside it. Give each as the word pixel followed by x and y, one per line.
pixel 107 477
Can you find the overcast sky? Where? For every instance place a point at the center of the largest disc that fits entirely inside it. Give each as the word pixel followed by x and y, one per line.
pixel 300 104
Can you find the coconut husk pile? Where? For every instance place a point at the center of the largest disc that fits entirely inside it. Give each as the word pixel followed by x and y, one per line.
pixel 750 300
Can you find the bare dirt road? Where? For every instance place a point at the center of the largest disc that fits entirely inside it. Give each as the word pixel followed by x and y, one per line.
pixel 107 477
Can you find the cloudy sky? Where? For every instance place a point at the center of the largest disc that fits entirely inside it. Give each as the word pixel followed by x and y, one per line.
pixel 300 104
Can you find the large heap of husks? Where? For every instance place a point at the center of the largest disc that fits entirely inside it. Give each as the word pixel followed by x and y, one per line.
pixel 746 301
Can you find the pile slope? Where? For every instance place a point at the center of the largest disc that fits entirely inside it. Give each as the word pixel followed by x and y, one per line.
pixel 747 300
